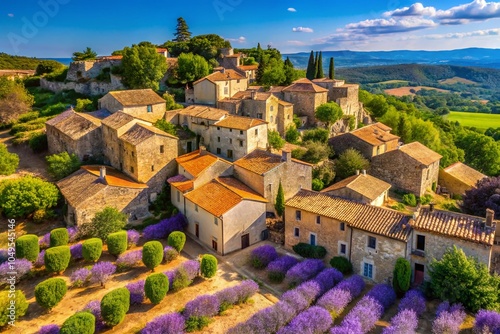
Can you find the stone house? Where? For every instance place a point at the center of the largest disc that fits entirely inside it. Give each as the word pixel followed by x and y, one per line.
pixel 370 140
pixel 140 103
pixel 361 188
pixel 233 137
pixel 345 95
pixel 75 133
pixel 306 97
pixel 92 188
pixel 263 171
pixel 435 231
pixel 458 178
pixel 218 85
pixel 413 168
pixel 234 62
pixel 372 238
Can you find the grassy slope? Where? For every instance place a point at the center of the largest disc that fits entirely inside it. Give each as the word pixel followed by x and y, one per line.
pixel 480 121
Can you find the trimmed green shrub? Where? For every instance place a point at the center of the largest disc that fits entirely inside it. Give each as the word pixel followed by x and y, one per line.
pixel 50 292
pixel 92 249
pixel 156 287
pixel 342 264
pixel 152 254
pixel 401 276
pixel 177 240
pixel 79 323
pixel 309 251
pixel 5 306
pixel 117 242
pixel 181 280
pixel 59 237
pixel 426 199
pixel 196 323
pixel 410 200
pixel 27 247
pixel 208 266
pixel 57 258
pixel 114 306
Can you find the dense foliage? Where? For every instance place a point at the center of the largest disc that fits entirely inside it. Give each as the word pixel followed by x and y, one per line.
pixel 329 113
pixel 87 54
pixel 349 162
pixel 92 249
pixel 191 67
pixel 114 305
pixel 309 251
pixel 152 254
pixel 59 237
pixel 156 287
pixel 279 205
pixel 117 242
pixel 79 323
pixel 448 318
pixel 50 292
pixel 208 265
pixel 401 275
pixel 486 195
pixel 14 100
pixel 303 271
pixel 143 67
pixel 106 221
pixel 342 264
pixel 166 126
pixel 27 247
pixel 21 306
pixel 8 161
pixel 56 259
pixel 62 164
pixel 177 239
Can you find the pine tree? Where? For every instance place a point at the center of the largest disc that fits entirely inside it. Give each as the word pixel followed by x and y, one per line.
pixel 320 73
pixel 182 33
pixel 280 201
pixel 331 70
pixel 316 67
pixel 289 72
pixel 311 67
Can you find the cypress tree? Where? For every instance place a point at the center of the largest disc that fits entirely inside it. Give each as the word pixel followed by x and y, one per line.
pixel 280 201
pixel 289 72
pixel 261 68
pixel 311 67
pixel 316 68
pixel 331 70
pixel 320 73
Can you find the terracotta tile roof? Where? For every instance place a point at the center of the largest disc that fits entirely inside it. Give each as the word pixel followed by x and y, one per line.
pixel 219 76
pixel 323 80
pixel 161 49
pixel 118 57
pixel 181 183
pixel 239 122
pixel 420 153
pixel 276 89
pixel 247 94
pixel 196 162
pixel 136 97
pixel 240 189
pixel 114 177
pixel 117 120
pixel 73 124
pixel 305 85
pixel 364 184
pixel 140 132
pixel 455 225
pixel 464 173
pixel 209 113
pixel 284 103
pixel 369 218
pixel 259 161
pixel 375 134
pixel 248 67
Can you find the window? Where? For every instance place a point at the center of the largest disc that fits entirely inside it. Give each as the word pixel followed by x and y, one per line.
pixel 238 81
pixel 271 119
pixel 271 108
pixel 368 270
pixel 178 196
pixel 150 108
pixel 132 152
pixel 218 139
pixel 230 154
pixel 218 150
pixel 241 132
pixel 131 169
pixel 420 242
pixel 256 132
pixel 296 232
pixel 288 117
pixel 298 215
pixel 372 242
pixel 162 149
pixel 152 168
pixel 216 221
pixel 318 220
pixel 342 226
pixel 241 143
pixel 428 173
pixel 312 239
pixel 259 116
pixel 343 249
pixel 226 90
pixel 218 128
pixel 196 207
pixel 230 141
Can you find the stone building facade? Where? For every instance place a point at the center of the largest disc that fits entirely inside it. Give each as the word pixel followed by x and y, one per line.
pixel 458 178
pixel 139 103
pixel 217 86
pixel 305 97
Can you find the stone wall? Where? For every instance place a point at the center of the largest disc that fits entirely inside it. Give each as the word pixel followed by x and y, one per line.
pixel 89 145
pixel 240 142
pixel 305 104
pixel 90 88
pixel 150 159
pixel 285 118
pixel 89 69
pixel 452 184
pixel 205 92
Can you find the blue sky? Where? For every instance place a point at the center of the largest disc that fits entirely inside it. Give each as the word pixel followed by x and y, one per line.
pixel 57 28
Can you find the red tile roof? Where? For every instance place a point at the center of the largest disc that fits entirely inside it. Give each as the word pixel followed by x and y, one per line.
pixel 137 97
pixel 219 76
pixel 305 85
pixel 375 134
pixel 364 184
pixel 239 122
pixel 259 161
pixel 195 162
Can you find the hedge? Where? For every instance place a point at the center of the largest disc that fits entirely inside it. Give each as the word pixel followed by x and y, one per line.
pixel 114 305
pixel 27 247
pixel 342 264
pixel 156 287
pixel 309 251
pixel 208 265
pixel 152 254
pixel 79 323
pixel 59 237
pixel 56 259
pixel 92 249
pixel 20 308
pixel 177 240
pixel 50 292
pixel 117 242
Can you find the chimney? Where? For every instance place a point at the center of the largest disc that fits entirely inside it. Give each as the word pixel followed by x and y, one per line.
pixel 490 215
pixel 102 172
pixel 431 207
pixel 286 155
pixel 254 95
pixel 364 172
pixel 223 70
pixel 357 171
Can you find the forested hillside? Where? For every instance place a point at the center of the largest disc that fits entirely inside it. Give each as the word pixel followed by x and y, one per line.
pixel 9 62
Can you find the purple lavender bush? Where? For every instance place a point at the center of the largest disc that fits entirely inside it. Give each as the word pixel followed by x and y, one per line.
pixel 241 328
pixel 413 300
pixel 22 268
pixel 270 319
pixel 314 320
pixel 245 290
pixel 384 294
pixel 132 238
pixel 73 234
pixel 487 322
pixel 44 242
pixel 49 329
pixel 449 318
pixel 276 270
pixel 94 307
pixel 405 322
pixel 261 256
pixel 171 274
pixel 172 323
pixel 128 260
pixel 79 277
pixel 296 300
pixel 202 306
pixel 227 298
pixel 137 294
pixel 367 311
pixel 101 272
pixel 165 227
pixel 40 260
pixel 192 268
pixel 354 284
pixel 348 326
pixel 328 278
pixel 76 251
pixel 310 290
pixel 335 301
pixel 169 254
pixel 303 271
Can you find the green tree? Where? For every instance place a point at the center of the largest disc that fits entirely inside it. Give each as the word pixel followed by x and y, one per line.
pixel 48 66
pixel 156 287
pixel 84 105
pixel 106 221
pixel 208 265
pixel 329 113
pixel 87 54
pixel 349 162
pixel 290 73
pixel 166 126
pixel 261 68
pixel 143 67
pixel 23 196
pixel 176 239
pixel 152 254
pixel 170 102
pixel 311 67
pixel 481 152
pixel 314 152
pixel 292 135
pixel 280 201
pixel 62 164
pixel 316 65
pixel 378 105
pixel 401 276
pixel 404 129
pixel 274 139
pixel 191 67
pixel 182 33
pixel 459 278
pixel 50 292
pixel 320 73
pixel 317 135
pixel 274 73
pixel 79 323
pixel 14 100
pixel 114 306
pixel 331 69
pixel 8 161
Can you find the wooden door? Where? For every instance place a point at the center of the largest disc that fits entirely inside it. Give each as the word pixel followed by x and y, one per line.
pixel 245 241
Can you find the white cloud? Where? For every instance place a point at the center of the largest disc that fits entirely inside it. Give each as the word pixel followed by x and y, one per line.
pixel 417 9
pixel 476 10
pixel 459 35
pixel 296 43
pixel 302 29
pixel 240 39
pixel 291 9
pixel 390 26
pixel 10 15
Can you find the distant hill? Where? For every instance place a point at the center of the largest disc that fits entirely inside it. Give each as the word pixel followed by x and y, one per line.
pixel 9 62
pixel 478 57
